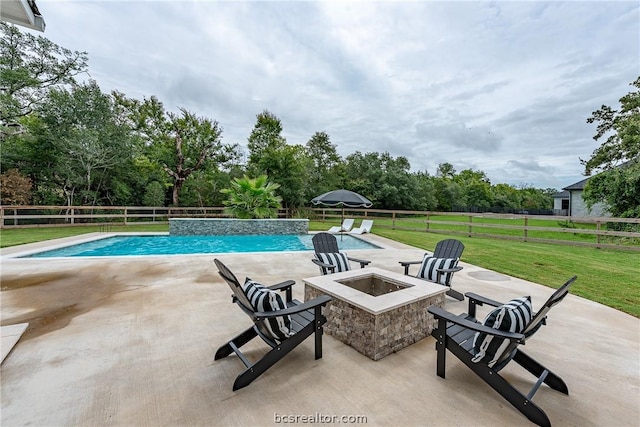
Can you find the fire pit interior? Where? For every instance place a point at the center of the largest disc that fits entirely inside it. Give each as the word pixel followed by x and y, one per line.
pixel 373 284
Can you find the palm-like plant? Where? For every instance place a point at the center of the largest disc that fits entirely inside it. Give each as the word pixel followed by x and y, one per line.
pixel 251 198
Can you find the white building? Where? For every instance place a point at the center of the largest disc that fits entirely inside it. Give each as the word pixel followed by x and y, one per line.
pixel 561 203
pixel 577 205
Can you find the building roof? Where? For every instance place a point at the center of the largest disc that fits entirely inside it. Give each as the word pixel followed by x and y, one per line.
pixel 561 195
pixel 580 184
pixel 577 186
pixel 22 12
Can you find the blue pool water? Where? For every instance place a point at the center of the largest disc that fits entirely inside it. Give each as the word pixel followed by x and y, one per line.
pixel 184 245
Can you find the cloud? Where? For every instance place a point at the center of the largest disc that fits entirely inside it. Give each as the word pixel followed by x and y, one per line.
pixel 503 87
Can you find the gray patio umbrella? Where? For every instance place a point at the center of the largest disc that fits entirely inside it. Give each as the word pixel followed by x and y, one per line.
pixel 342 198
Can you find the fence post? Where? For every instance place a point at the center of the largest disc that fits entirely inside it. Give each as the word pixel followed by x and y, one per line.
pixel 598 234
pixel 428 223
pixel 526 223
pixel 125 216
pixel 393 220
pixel 15 217
pixel 470 226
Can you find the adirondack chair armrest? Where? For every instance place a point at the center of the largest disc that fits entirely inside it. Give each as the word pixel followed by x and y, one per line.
pixel 322 300
pixel 476 300
pixel 446 316
pixel 406 265
pixel 284 286
pixel 331 268
pixel 363 263
pixel 449 270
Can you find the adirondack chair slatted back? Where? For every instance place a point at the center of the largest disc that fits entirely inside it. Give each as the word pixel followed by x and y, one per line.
pixel 448 248
pixel 325 243
pixel 540 316
pixel 242 300
pixel 234 284
pixel 536 322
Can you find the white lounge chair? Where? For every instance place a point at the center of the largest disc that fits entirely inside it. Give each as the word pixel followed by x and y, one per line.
pixel 365 227
pixel 347 224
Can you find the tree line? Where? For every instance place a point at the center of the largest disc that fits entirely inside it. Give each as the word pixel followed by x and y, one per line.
pixel 66 142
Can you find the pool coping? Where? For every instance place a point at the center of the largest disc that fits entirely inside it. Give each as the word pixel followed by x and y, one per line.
pixel 23 251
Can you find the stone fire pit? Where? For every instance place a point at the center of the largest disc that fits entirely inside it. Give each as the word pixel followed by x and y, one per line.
pixel 375 311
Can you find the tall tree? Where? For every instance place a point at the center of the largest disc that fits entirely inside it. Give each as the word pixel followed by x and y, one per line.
pixel 195 140
pixel 622 129
pixel 385 180
pixel 445 170
pixel 506 197
pixel 76 142
pixel 424 192
pixel 618 185
pixel 15 188
pixel 182 143
pixel 448 192
pixel 265 139
pixel 269 154
pixel 324 169
pixel 476 187
pixel 29 67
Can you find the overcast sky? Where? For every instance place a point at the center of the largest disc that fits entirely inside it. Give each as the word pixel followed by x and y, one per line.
pixel 504 87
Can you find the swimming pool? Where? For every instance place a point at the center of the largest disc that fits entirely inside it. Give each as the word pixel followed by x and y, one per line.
pixel 185 245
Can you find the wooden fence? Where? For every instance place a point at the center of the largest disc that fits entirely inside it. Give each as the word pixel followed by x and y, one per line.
pixel 601 232
pixel 51 216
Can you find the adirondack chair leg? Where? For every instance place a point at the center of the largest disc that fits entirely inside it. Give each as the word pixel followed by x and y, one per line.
pixel 440 335
pixel 550 379
pixel 270 359
pixel 519 401
pixel 238 342
pixel 319 321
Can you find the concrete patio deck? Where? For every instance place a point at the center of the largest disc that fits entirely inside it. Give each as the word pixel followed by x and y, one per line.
pixel 130 341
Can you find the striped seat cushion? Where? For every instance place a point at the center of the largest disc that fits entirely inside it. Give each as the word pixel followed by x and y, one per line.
pixel 514 316
pixel 266 300
pixel 337 259
pixel 428 269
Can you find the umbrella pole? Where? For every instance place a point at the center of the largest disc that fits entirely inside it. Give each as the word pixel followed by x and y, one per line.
pixel 342 222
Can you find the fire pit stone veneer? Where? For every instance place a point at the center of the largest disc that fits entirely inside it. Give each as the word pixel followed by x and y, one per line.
pixel 376 326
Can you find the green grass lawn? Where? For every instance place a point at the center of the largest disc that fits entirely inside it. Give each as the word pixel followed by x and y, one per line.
pixel 606 276
pixel 500 226
pixel 20 236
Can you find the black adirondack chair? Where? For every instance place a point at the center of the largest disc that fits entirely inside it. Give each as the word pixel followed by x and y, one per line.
pixel 448 248
pixel 326 243
pixel 306 319
pixel 456 334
